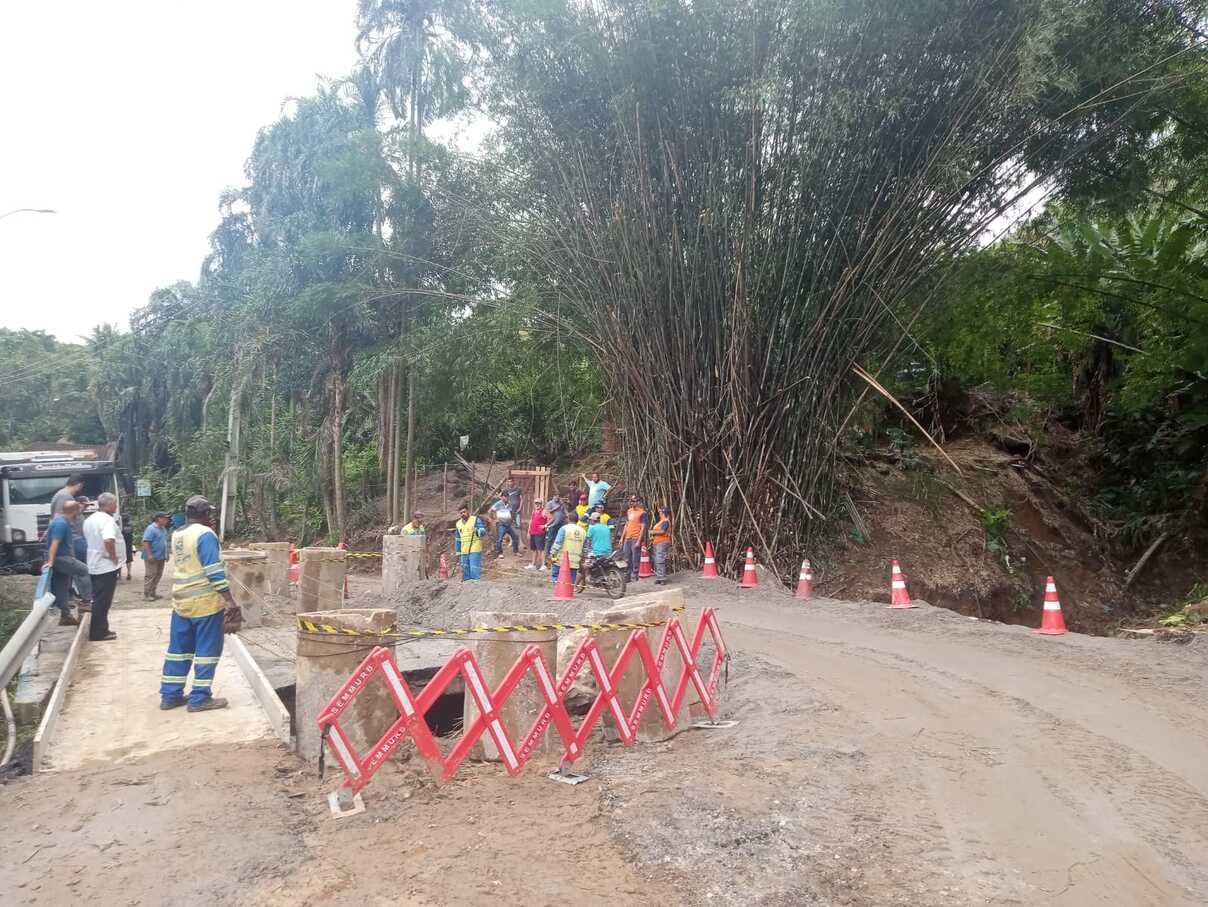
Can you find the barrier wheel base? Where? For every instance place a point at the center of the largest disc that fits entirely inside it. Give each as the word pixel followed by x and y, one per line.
pixel 343 804
pixel 566 776
pixel 713 725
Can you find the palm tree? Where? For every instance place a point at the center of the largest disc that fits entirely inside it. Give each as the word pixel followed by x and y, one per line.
pixel 419 52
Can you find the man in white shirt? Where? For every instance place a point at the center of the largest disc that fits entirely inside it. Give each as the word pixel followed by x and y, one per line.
pixel 106 554
pixel 501 512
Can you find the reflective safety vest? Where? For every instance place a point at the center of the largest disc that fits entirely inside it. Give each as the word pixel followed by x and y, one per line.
pixel 412 529
pixel 573 537
pixel 193 593
pixel 467 535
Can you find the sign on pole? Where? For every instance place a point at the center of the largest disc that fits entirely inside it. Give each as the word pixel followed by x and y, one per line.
pixel 142 488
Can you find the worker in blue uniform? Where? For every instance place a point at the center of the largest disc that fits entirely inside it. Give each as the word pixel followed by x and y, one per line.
pixel 202 608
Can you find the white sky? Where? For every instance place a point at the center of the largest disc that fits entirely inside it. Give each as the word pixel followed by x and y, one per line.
pixel 130 118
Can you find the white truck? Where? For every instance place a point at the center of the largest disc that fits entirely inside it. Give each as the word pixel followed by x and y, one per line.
pixel 28 482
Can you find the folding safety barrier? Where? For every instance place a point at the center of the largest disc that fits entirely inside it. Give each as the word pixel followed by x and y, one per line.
pixel 358 770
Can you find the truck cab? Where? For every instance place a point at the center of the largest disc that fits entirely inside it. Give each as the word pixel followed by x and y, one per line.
pixel 28 482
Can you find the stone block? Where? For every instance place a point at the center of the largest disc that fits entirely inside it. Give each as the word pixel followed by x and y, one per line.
pixel 248 572
pixel 277 573
pixel 496 653
pixel 325 662
pixel 321 579
pixel 654 606
pixel 404 563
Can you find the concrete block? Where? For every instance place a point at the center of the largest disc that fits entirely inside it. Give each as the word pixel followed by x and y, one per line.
pixel 654 606
pixel 276 577
pixel 321 579
pixel 495 654
pixel 325 661
pixel 248 572
pixel 404 563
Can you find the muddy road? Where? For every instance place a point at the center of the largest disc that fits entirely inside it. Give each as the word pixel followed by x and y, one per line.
pixel 881 757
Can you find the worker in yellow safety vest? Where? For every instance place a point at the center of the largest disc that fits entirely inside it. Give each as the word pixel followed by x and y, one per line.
pixel 571 535
pixel 202 609
pixel 467 542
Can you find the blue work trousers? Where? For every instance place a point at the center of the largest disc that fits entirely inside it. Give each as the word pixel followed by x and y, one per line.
pixel 195 641
pixel 65 569
pixel 471 565
pixel 557 568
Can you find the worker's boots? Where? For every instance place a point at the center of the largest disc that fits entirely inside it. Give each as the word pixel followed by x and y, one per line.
pixel 66 620
pixel 212 703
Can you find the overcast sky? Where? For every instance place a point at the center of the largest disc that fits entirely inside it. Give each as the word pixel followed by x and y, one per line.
pixel 130 118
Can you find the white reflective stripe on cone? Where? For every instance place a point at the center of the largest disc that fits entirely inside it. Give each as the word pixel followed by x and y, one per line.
pixel 1052 606
pixel 899 584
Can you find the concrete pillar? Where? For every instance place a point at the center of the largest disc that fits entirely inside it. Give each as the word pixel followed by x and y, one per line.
pixel 321 579
pixel 495 654
pixel 325 662
pixel 277 574
pixel 248 573
pixel 404 563
pixel 654 606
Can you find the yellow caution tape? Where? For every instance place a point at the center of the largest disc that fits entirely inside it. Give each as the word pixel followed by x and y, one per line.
pixel 362 554
pixel 418 632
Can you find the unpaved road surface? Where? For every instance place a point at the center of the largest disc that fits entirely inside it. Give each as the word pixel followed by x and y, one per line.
pixel 881 757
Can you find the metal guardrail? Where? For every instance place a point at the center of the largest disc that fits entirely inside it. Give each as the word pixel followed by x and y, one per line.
pixel 27 635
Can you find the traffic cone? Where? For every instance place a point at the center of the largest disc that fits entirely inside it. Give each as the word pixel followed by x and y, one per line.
pixel 1052 621
pixel 710 571
pixel 444 568
pixel 644 570
pixel 564 589
pixel 750 579
pixel 805 582
pixel 898 596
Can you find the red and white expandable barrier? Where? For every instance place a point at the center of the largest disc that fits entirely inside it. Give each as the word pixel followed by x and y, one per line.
pixel 358 769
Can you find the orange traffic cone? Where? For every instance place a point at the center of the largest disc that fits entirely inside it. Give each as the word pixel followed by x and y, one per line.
pixel 644 564
pixel 564 589
pixel 1052 621
pixel 750 579
pixel 805 582
pixel 898 596
pixel 444 568
pixel 710 571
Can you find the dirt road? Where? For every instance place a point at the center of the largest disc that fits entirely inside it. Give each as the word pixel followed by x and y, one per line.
pixel 881 758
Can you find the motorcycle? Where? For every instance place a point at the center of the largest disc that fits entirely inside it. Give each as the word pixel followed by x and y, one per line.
pixel 602 573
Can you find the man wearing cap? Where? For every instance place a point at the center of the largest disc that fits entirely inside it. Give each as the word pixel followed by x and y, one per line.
pixel 155 552
pixel 416 526
pixel 201 604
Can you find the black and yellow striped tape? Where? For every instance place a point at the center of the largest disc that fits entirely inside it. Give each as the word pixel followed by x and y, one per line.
pixel 307 626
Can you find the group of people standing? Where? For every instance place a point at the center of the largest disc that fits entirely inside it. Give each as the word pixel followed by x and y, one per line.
pixel 203 608
pixel 85 554
pixel 582 531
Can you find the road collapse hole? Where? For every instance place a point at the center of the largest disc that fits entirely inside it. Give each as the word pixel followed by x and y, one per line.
pixel 447 714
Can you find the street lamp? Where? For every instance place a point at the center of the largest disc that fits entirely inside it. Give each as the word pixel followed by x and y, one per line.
pixel 30 210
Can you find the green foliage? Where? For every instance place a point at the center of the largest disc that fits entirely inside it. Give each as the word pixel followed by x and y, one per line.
pixel 997 523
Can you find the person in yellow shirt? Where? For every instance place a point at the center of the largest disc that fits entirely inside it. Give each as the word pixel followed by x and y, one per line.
pixel 416 526
pixel 201 605
pixel 467 542
pixel 582 508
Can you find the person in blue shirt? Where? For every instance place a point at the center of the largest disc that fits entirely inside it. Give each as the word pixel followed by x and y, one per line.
pixel 155 553
pixel 598 545
pixel 597 489
pixel 61 562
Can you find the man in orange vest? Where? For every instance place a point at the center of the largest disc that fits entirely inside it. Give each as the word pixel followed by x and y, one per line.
pixel 633 534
